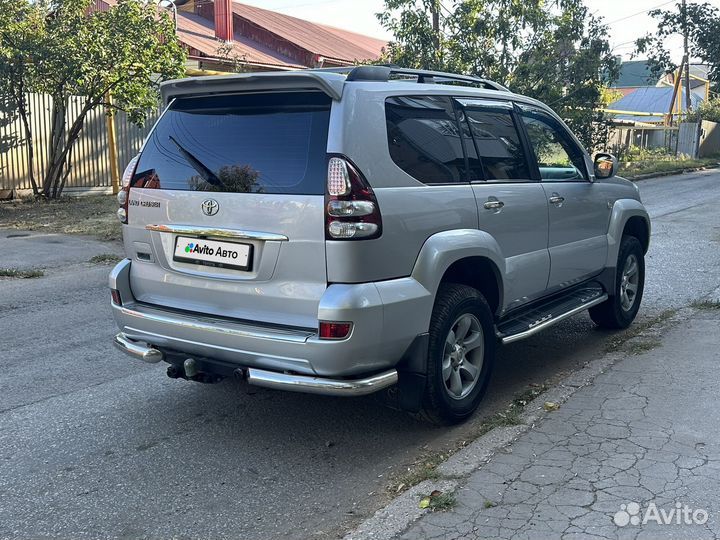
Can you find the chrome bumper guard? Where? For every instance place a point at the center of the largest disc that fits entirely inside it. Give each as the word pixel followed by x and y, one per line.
pixel 281 381
pixel 134 349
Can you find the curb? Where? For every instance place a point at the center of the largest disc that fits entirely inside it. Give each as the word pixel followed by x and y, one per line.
pixel 401 512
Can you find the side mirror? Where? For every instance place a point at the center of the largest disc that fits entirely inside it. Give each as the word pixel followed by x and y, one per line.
pixel 606 165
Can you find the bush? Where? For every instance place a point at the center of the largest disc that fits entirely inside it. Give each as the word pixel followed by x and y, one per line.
pixel 636 153
pixel 710 111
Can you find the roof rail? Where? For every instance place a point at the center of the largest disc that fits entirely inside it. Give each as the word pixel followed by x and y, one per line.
pixel 384 72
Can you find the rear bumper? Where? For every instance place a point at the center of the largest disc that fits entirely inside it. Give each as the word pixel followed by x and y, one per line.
pixel 280 381
pixel 387 316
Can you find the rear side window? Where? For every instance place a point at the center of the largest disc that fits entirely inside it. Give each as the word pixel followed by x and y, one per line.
pixel 424 138
pixel 494 151
pixel 251 143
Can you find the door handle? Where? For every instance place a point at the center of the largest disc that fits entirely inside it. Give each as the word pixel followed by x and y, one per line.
pixel 493 205
pixel 556 199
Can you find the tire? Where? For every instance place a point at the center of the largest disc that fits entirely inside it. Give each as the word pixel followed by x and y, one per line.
pixel 620 309
pixel 458 374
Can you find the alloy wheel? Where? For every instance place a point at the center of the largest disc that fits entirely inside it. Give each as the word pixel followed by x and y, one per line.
pixel 463 356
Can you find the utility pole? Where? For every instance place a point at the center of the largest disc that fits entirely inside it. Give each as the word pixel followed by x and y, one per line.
pixel 436 27
pixel 686 56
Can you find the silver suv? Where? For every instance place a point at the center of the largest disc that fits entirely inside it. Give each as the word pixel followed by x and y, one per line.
pixel 377 228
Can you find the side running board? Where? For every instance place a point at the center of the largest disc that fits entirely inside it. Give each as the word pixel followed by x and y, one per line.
pixel 540 316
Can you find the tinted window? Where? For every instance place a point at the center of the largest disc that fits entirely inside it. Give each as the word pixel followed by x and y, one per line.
pixel 495 151
pixel 261 143
pixel 424 140
pixel 559 158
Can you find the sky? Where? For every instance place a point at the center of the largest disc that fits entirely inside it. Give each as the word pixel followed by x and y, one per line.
pixel 628 19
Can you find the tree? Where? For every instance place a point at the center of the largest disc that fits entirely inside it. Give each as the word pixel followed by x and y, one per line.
pixel 552 50
pixel 417 43
pixel 64 49
pixel 21 29
pixel 703 29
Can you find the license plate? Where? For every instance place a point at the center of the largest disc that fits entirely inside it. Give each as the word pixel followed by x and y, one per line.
pixel 213 253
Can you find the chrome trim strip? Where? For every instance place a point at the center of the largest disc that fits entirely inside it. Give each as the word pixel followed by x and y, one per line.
pixel 545 324
pixel 128 346
pixel 218 232
pixel 194 324
pixel 319 385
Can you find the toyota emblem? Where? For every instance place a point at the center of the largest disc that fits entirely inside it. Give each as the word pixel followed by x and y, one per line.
pixel 210 207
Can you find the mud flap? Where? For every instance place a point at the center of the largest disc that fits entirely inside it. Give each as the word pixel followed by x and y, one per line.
pixel 412 378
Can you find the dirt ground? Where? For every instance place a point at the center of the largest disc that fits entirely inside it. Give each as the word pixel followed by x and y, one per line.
pixel 91 215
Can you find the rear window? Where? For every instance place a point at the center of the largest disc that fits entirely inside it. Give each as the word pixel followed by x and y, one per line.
pixel 252 143
pixel 424 139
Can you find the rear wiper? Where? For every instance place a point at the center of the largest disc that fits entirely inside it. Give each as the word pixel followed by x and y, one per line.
pixel 206 174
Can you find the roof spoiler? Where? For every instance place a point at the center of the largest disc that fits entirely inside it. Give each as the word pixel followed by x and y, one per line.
pixel 328 83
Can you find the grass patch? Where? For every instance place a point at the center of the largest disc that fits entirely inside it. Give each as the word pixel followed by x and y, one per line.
pixel 105 258
pixel 92 215
pixel 20 274
pixel 632 169
pixel 641 347
pixel 489 504
pixel 442 502
pixel 511 415
pixel 706 305
pixel 619 343
pixel 423 469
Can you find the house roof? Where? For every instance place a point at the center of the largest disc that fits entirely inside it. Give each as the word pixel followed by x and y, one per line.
pixel 314 37
pixel 634 73
pixel 199 33
pixel 649 99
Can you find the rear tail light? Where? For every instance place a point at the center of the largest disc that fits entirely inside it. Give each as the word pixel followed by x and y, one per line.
pixel 335 330
pixel 123 195
pixel 351 210
pixel 115 295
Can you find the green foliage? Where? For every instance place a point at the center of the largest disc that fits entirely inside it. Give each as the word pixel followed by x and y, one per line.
pixel 415 45
pixel 637 153
pixel 710 110
pixel 703 26
pixel 552 50
pixel 64 49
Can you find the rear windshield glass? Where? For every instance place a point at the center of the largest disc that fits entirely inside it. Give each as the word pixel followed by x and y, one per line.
pixel 253 143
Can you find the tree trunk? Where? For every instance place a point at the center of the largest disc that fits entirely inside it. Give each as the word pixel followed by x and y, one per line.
pixel 57 141
pixel 30 144
pixel 59 167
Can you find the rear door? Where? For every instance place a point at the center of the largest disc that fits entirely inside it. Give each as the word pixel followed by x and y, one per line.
pixel 578 210
pixel 225 213
pixel 511 204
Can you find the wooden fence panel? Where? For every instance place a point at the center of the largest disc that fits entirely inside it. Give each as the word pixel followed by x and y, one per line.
pixel 90 157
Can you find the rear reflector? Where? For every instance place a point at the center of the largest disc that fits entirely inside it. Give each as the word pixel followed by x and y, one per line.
pixel 335 330
pixel 115 294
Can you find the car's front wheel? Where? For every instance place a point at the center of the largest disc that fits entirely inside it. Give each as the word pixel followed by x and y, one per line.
pixel 620 309
pixel 461 354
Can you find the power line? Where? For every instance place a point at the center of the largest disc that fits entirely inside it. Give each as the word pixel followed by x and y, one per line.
pixel 639 13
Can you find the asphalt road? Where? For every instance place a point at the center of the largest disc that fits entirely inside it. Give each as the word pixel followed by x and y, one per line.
pixel 94 445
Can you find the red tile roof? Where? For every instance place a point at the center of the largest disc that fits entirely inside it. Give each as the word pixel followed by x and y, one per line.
pixel 199 33
pixel 314 37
